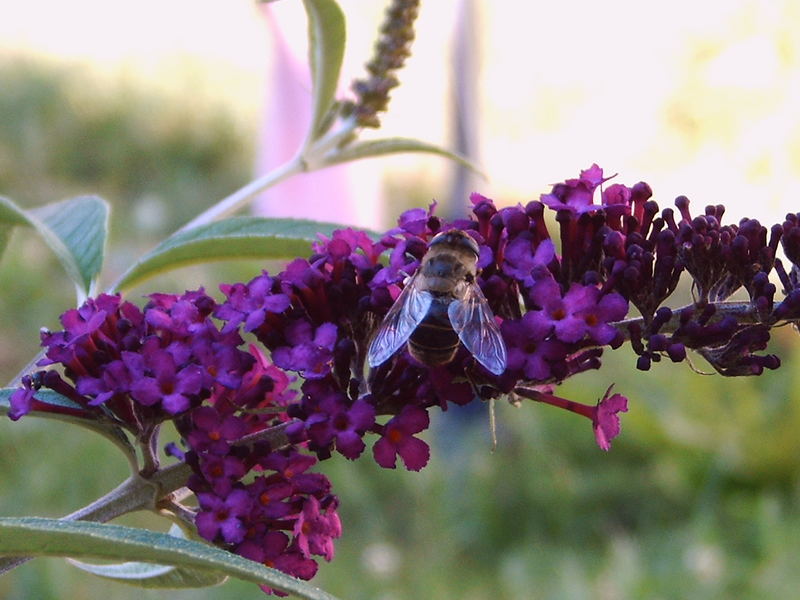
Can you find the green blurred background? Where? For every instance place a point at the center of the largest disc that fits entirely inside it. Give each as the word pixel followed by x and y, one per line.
pixel 697 499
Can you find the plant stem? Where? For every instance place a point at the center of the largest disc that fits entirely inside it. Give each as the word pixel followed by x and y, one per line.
pixel 138 493
pixel 743 311
pixel 238 198
pixel 311 157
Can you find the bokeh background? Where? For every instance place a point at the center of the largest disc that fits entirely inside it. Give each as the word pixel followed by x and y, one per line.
pixel 165 107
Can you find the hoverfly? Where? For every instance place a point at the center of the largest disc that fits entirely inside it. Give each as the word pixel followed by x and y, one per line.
pixel 440 307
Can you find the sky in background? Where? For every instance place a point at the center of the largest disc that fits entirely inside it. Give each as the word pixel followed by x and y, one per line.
pixel 696 98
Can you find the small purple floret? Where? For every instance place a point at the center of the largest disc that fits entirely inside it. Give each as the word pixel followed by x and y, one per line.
pixel 398 440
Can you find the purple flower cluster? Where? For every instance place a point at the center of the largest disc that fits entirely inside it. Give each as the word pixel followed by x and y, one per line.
pixel 644 260
pixel 316 318
pixel 135 366
pixel 281 518
pixel 252 434
pixel 257 498
pixel 171 360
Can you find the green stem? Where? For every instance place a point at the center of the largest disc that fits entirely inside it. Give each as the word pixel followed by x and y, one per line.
pixel 138 493
pixel 322 152
pixel 238 198
pixel 310 158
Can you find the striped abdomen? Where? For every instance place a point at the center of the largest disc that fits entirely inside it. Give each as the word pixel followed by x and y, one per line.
pixel 434 342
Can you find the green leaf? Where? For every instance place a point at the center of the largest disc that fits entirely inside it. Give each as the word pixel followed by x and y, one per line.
pixel 235 237
pixel 75 230
pixel 371 148
pixel 81 225
pixel 68 411
pixel 326 39
pixel 153 576
pixel 33 536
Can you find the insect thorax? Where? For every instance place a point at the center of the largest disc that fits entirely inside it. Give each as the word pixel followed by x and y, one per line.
pixel 445 273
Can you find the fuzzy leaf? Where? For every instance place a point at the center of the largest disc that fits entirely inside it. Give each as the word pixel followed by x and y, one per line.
pixel 153 576
pixel 33 536
pixel 235 237
pixel 326 39
pixel 81 224
pixel 75 230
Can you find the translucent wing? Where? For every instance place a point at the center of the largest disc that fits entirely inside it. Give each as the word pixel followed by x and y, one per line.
pixel 400 322
pixel 473 321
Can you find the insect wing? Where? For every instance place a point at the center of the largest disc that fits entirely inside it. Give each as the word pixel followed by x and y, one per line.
pixel 400 322
pixel 473 321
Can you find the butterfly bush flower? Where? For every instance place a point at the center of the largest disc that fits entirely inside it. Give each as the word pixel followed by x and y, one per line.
pixel 398 440
pixel 605 418
pixel 308 352
pixel 255 419
pixel 576 195
pixel 223 517
pixel 604 415
pixel 580 311
pixel 135 365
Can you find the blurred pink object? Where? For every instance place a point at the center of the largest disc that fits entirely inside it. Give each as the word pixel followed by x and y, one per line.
pixel 348 194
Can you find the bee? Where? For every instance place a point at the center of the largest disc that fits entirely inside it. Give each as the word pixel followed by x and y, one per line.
pixel 440 308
